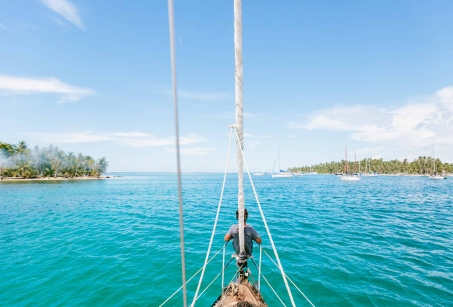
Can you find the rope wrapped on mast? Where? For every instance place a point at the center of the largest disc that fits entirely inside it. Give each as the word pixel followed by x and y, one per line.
pixel 171 19
pixel 239 116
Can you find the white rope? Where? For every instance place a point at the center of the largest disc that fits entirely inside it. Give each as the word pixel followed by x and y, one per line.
pixel 223 269
pixel 223 265
pixel 265 279
pixel 215 222
pixel 290 280
pixel 259 269
pixel 171 19
pixel 174 293
pixel 259 272
pixel 267 229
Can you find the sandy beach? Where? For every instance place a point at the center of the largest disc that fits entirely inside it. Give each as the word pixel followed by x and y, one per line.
pixel 9 179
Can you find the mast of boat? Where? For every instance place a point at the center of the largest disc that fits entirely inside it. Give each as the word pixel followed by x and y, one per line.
pixel 368 163
pixel 434 161
pixel 171 18
pixel 355 159
pixel 239 117
pixel 346 152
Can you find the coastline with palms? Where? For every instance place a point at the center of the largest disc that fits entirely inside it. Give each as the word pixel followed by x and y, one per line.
pixel 422 166
pixel 19 162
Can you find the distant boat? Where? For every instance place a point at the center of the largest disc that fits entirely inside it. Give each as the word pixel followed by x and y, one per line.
pixel 282 173
pixel 347 176
pixel 434 175
pixel 354 177
pixel 312 172
pixel 299 174
pixel 372 174
pixel 258 174
pixel 369 173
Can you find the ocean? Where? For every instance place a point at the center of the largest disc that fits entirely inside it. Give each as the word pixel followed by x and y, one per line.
pixel 384 241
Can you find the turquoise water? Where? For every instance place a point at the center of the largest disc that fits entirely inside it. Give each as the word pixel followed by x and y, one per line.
pixel 378 242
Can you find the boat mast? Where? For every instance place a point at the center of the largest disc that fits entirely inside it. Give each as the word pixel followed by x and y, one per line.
pixel 434 162
pixel 239 116
pixel 355 159
pixel 346 152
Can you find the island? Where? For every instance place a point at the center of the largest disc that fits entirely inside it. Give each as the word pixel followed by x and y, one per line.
pixel 19 162
pixel 421 166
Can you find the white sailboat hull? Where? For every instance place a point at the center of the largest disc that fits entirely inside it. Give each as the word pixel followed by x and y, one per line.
pixel 350 178
pixel 437 177
pixel 283 175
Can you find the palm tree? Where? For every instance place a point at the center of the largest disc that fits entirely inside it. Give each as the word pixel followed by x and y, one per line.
pixel 24 167
pixel 57 161
pixel 101 166
pixel 22 147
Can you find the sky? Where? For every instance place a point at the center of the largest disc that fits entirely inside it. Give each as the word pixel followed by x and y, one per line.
pixel 94 77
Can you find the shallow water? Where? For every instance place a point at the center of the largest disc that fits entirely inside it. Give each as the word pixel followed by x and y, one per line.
pixel 383 241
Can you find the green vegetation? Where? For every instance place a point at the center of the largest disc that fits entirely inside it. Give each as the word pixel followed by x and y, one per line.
pixel 20 161
pixel 422 165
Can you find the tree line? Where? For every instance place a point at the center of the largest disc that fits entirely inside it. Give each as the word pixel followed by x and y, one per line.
pixel 421 165
pixel 18 160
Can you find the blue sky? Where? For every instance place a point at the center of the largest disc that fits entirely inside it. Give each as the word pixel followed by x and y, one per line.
pixel 94 77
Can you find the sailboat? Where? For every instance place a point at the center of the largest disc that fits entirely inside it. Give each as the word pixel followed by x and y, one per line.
pixel 434 175
pixel 312 172
pixel 281 173
pixel 255 173
pixel 347 176
pixel 369 173
pixel 242 290
pixel 299 174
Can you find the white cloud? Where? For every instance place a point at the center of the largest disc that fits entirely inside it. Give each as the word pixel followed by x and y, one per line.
pixel 10 84
pixel 414 124
pixel 367 151
pixel 193 151
pixel 133 139
pixel 65 9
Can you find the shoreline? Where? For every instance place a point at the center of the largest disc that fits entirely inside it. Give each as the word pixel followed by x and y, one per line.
pixel 14 179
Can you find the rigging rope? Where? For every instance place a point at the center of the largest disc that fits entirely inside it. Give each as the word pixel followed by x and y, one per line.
pixel 174 293
pixel 171 19
pixel 212 281
pixel 267 228
pixel 215 222
pixel 259 271
pixel 290 280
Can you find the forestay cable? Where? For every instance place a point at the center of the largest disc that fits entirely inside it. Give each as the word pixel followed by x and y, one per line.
pixel 215 222
pixel 174 293
pixel 259 271
pixel 290 279
pixel 267 228
pixel 215 278
pixel 171 19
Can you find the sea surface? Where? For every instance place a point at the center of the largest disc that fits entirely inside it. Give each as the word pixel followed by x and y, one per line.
pixel 385 241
